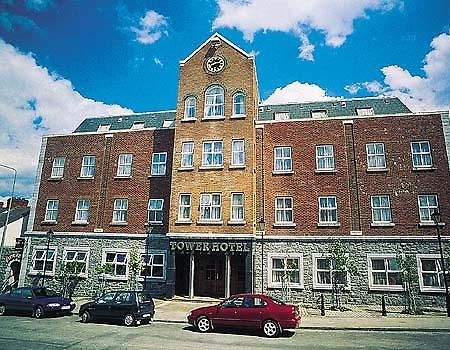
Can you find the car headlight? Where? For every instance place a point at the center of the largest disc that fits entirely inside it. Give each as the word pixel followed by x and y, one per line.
pixel 54 305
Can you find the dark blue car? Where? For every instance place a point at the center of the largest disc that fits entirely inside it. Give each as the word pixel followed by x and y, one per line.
pixel 35 301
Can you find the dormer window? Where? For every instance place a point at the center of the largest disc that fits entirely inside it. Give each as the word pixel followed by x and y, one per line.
pixel 239 105
pixel 214 102
pixel 190 106
pixel 365 111
pixel 282 116
pixel 321 113
pixel 138 126
pixel 103 127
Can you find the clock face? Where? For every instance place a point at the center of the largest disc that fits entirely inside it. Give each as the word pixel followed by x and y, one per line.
pixel 215 64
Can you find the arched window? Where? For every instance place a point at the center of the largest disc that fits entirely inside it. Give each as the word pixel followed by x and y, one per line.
pixel 214 102
pixel 238 104
pixel 190 105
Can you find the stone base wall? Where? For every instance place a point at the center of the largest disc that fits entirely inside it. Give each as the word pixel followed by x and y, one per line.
pixel 93 285
pixel 358 250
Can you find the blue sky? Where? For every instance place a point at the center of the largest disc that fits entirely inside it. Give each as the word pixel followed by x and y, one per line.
pixel 61 61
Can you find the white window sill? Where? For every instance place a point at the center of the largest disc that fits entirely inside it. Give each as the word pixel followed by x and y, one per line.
pixel 55 178
pixel 122 177
pixel 186 168
pixel 210 222
pixel 236 167
pixel 41 273
pixel 151 278
pixel 113 223
pixel 154 223
pixel 238 116
pixel 219 117
pixel 183 222
pixel 382 224
pixel 377 170
pixel 428 224
pixel 80 223
pixel 432 289
pixel 317 286
pixel 282 172
pixel 187 120
pixel 386 288
pixel 211 167
pixel 48 222
pixel 325 171
pixel 85 178
pixel 235 222
pixel 157 175
pixel 116 278
pixel 291 285
pixel 284 224
pixel 424 168
pixel 328 224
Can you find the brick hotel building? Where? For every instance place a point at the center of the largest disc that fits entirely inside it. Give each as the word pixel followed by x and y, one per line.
pixel 224 195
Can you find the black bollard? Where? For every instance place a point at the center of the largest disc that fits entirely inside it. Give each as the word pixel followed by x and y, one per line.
pixel 383 306
pixel 322 306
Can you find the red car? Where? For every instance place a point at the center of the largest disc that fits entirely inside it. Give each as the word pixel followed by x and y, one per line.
pixel 258 311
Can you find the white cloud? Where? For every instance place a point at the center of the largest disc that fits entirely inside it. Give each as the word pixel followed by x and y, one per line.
pixel 332 18
pixel 158 61
pixel 370 86
pixel 34 101
pixel 298 92
pixel 152 27
pixel 428 92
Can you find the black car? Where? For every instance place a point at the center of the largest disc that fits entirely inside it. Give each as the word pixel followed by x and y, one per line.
pixel 37 301
pixel 129 307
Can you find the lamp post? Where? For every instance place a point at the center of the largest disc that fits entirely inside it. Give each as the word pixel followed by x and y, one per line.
pixel 49 237
pixel 436 217
pixel 9 209
pixel 147 254
pixel 261 225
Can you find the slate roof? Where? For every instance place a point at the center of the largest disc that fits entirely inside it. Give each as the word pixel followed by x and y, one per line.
pixel 16 214
pixel 335 108
pixel 155 120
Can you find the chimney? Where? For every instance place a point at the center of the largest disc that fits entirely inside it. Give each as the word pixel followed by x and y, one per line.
pixel 18 202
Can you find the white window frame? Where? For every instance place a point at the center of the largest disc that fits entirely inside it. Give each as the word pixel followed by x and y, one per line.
pixel 81 209
pixel 381 208
pixel 187 157
pixel 120 208
pixel 430 208
pixel 151 254
pixel 159 163
pixel 190 105
pixel 236 104
pixel 182 206
pixel 376 156
pixel 320 113
pixel 211 207
pixel 236 153
pixel 124 165
pixel 365 111
pixel 328 209
pixel 213 154
pixel 282 116
pixel 49 217
pixel 284 209
pixel 424 288
pixel 137 126
pixel 53 259
pixel 421 154
pixel 326 286
pixel 103 127
pixel 160 210
pixel 238 207
pixel 273 284
pixel 58 168
pixel 283 159
pixel 370 271
pixel 115 264
pixel 325 158
pixel 78 250
pixel 212 100
pixel 87 169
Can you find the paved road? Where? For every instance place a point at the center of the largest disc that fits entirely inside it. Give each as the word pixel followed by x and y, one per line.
pixel 67 333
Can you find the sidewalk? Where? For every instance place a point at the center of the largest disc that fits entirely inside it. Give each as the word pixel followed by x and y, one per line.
pixel 176 311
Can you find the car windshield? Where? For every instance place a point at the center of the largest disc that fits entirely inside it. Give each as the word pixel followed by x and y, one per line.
pixel 44 293
pixel 277 301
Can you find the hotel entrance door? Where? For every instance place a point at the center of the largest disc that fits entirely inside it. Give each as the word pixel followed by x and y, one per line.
pixel 210 275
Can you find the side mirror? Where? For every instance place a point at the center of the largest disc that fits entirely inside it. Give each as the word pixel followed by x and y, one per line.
pixel 29 297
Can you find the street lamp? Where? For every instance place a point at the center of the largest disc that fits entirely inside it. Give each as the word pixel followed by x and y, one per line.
pixel 261 228
pixel 9 210
pixel 436 217
pixel 49 237
pixel 147 254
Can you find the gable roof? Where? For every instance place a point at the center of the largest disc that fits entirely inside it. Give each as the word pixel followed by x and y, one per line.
pixel 216 35
pixel 16 214
pixel 334 108
pixel 151 120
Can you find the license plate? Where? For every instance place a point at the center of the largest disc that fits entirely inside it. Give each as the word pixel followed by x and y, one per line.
pixel 146 315
pixel 65 307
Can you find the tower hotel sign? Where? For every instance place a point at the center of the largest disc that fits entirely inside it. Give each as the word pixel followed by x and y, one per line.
pixel 223 247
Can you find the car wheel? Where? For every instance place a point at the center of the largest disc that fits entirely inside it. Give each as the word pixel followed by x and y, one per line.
pixel 85 317
pixel 203 324
pixel 2 310
pixel 270 328
pixel 38 312
pixel 129 320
